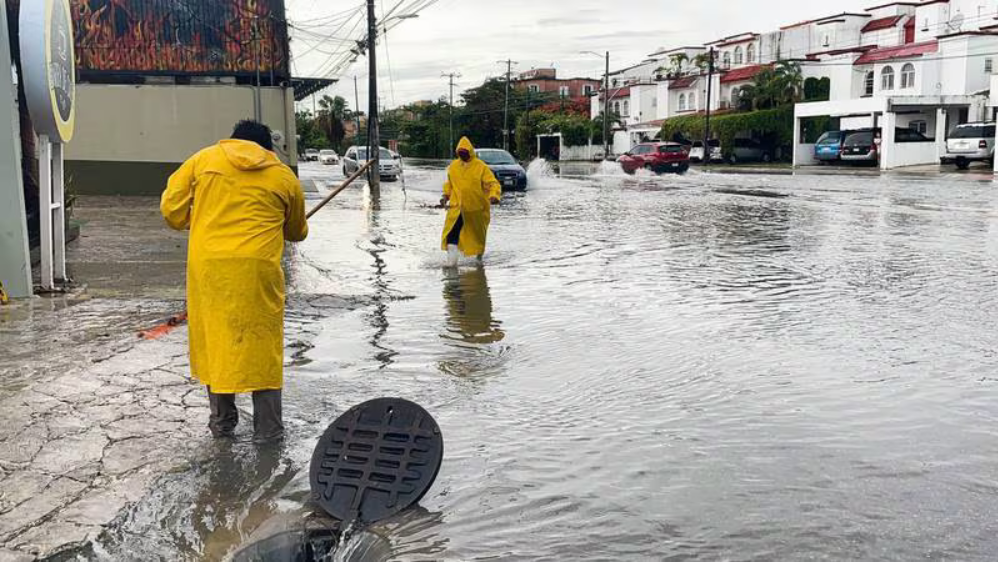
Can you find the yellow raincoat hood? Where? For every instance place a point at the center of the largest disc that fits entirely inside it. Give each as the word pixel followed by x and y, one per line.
pixel 248 155
pixel 466 145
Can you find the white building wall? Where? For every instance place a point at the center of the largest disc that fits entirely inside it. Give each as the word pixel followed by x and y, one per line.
pixel 644 104
pixel 930 21
pixel 663 105
pixel 975 13
pixel 953 75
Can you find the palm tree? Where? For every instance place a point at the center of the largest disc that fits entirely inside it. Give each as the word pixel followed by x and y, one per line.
pixel 702 61
pixel 790 82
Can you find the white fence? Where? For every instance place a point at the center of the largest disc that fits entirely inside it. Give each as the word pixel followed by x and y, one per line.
pixel 912 154
pixel 804 155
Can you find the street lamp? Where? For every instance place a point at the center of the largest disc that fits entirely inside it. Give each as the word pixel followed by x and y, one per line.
pixel 606 102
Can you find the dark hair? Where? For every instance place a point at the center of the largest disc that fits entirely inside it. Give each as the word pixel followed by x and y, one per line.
pixel 249 130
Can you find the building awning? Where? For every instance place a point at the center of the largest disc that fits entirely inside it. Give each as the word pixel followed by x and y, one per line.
pixel 743 74
pixel 683 83
pixel 882 23
pixel 896 53
pixel 305 87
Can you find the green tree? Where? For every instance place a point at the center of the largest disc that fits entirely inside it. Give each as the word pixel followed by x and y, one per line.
pixel 309 134
pixel 333 113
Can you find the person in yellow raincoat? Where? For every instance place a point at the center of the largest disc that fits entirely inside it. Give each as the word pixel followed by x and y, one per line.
pixel 470 190
pixel 241 204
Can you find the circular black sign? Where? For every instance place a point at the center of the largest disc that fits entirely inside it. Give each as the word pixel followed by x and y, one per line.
pixel 376 460
pixel 61 65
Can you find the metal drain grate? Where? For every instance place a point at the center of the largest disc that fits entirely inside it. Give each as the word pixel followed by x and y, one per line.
pixel 376 460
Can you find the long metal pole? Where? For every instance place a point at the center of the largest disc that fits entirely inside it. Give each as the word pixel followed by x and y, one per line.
pixel 373 141
pixel 606 110
pixel 451 138
pixel 706 131
pixel 257 103
pixel 505 117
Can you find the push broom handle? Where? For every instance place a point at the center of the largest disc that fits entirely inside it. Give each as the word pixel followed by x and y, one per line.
pixel 345 185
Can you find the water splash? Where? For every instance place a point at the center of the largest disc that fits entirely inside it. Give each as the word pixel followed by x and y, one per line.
pixel 609 168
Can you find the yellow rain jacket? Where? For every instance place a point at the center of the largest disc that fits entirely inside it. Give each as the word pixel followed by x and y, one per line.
pixel 240 204
pixel 470 186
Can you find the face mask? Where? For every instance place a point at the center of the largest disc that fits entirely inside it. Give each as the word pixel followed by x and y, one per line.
pixel 464 155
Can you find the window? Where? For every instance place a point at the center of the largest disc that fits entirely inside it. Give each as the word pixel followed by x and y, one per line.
pixel 627 108
pixel 692 101
pixel 534 89
pixel 750 54
pixel 682 102
pixel 726 60
pixel 989 66
pixel 588 90
pixel 907 76
pixel 827 42
pixel 920 126
pixel 616 107
pixel 564 91
pixel 735 94
pixel 887 79
pixel 869 84
pixel 739 56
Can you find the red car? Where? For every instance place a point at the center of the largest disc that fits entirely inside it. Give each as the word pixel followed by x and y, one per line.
pixel 657 157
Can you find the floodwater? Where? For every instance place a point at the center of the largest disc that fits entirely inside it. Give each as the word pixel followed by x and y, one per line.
pixel 710 367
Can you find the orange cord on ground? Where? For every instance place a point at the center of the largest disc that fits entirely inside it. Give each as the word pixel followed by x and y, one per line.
pixel 165 328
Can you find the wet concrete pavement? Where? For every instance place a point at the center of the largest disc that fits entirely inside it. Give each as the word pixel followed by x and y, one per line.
pixel 713 366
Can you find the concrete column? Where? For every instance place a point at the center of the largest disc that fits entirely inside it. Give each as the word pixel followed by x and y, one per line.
pixel 797 139
pixel 887 148
pixel 941 132
pixel 15 261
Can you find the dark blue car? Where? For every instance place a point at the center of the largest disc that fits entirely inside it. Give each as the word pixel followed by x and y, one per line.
pixel 510 174
pixel 829 146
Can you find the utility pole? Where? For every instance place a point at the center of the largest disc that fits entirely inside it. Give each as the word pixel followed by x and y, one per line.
pixel 710 83
pixel 356 112
pixel 451 76
pixel 505 118
pixel 373 140
pixel 606 109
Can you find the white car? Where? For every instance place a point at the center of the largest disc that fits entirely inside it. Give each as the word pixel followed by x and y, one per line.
pixel 696 151
pixel 328 157
pixel 390 162
pixel 970 142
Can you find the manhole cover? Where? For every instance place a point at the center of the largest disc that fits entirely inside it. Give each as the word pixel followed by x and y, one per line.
pixel 376 460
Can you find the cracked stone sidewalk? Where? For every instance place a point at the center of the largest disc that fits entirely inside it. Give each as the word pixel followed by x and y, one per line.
pixel 84 440
pixel 79 448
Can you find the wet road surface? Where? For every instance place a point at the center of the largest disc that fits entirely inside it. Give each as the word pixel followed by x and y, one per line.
pixel 706 367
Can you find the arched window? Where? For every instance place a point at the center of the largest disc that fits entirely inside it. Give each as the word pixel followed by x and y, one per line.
pixel 750 53
pixel 726 60
pixel 735 95
pixel 887 78
pixel 869 83
pixel 739 56
pixel 907 76
pixel 616 107
pixel 692 101
pixel 627 108
pixel 682 102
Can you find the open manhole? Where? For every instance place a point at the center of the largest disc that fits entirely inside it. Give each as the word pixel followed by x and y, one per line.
pixel 377 460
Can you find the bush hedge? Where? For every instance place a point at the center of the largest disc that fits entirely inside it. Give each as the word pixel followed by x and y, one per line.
pixel 776 123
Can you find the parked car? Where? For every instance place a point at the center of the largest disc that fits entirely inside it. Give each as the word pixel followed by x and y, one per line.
pixel 829 146
pixel 970 142
pixel 389 162
pixel 328 157
pixel 507 170
pixel 696 151
pixel 861 146
pixel 656 157
pixel 864 145
pixel 749 150
pixel 311 155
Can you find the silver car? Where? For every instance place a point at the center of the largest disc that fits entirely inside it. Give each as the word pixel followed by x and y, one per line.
pixel 970 142
pixel 390 163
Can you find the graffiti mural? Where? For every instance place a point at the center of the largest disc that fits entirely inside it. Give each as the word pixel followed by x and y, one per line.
pixel 178 37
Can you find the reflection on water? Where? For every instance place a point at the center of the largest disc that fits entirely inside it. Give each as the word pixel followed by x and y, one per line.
pixel 469 307
pixel 708 367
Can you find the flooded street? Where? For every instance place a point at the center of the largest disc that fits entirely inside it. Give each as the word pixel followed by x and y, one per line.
pixel 719 367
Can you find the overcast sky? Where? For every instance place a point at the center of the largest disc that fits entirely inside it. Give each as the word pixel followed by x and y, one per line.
pixel 470 36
